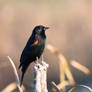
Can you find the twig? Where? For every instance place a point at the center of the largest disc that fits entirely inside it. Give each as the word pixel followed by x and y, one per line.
pixel 61 86
pixel 16 75
pixel 80 67
pixel 86 87
pixel 77 86
pixel 56 87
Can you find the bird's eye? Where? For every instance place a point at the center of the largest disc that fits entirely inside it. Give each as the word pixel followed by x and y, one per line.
pixel 43 29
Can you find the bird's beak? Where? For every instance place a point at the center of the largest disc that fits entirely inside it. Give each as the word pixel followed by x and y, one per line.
pixel 46 28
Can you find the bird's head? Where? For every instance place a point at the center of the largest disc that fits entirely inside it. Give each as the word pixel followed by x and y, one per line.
pixel 40 30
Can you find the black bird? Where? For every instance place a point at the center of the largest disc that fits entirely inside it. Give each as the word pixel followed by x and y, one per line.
pixel 33 49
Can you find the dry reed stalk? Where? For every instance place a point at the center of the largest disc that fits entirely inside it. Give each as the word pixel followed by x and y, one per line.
pixel 80 67
pixel 58 89
pixel 61 86
pixel 10 87
pixel 16 75
pixel 64 68
pixel 77 86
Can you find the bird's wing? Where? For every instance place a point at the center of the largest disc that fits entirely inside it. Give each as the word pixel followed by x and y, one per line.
pixel 36 40
pixel 33 40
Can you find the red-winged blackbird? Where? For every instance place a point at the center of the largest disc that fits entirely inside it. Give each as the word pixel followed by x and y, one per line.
pixel 33 49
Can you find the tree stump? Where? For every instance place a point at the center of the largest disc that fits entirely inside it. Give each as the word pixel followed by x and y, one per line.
pixel 40 77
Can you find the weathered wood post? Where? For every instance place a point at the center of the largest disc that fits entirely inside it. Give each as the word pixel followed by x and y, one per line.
pixel 40 77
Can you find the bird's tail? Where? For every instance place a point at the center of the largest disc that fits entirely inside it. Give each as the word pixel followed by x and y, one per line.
pixel 20 65
pixel 21 80
pixel 24 68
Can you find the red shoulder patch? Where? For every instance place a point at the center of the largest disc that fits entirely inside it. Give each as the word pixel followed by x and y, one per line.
pixel 36 41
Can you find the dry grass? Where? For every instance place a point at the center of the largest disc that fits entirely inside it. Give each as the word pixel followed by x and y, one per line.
pixel 64 70
pixel 21 89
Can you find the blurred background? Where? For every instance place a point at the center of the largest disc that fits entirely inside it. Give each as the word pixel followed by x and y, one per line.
pixel 70 23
